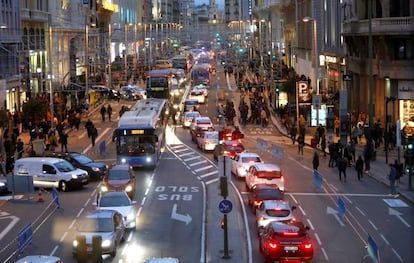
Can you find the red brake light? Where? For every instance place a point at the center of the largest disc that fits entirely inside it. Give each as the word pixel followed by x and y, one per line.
pixel 272 245
pixel 290 234
pixel 282 178
pixel 308 245
pixel 226 152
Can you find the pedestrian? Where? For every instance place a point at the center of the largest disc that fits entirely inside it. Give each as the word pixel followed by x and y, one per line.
pixel 52 141
pixel 19 148
pixel 301 144
pixel 367 157
pixel 400 169
pixel 359 167
pixel 64 141
pixel 323 145
pixel 89 125
pixel 337 123
pixel 94 134
pixel 103 112
pixel 392 176
pixel 293 133
pixel 321 133
pixel 342 164
pixel 315 160
pixel 109 111
pixel 332 154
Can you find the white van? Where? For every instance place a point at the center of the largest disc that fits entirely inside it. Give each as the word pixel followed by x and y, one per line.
pixel 51 172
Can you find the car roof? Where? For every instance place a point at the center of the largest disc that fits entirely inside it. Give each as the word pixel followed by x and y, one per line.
pixel 259 187
pixel 104 213
pixel 248 154
pixel 113 194
pixel 232 143
pixel 162 260
pixel 191 113
pixel 120 167
pixel 291 226
pixel 203 119
pixel 39 259
pixel 42 159
pixel 266 166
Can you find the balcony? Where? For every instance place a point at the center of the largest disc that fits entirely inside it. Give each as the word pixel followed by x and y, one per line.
pixel 380 26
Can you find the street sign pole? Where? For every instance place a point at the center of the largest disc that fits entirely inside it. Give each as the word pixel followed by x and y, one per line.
pixel 226 238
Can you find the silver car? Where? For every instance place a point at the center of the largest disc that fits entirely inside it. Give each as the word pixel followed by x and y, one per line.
pixel 273 210
pixel 108 224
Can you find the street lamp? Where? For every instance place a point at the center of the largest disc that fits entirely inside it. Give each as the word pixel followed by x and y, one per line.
pixel 307 19
pixel 39 74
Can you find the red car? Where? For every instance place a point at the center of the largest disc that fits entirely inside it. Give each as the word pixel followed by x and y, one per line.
pixel 286 241
pixel 120 178
pixel 228 148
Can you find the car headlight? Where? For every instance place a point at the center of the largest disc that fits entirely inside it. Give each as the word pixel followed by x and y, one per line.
pixel 130 216
pixel 106 243
pixel 123 161
pixel 74 176
pixel 2 184
pixel 75 243
pixel 104 188
pixel 128 188
pixel 95 169
pixel 148 159
pixel 242 171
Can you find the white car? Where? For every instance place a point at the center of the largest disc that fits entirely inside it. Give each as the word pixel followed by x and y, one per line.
pixel 120 202
pixel 162 260
pixel 198 95
pixel 264 173
pixel 39 259
pixel 208 140
pixel 188 117
pixel 241 162
pixel 202 88
pixel 273 210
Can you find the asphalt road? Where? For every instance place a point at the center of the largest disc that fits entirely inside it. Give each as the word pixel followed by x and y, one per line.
pixel 177 205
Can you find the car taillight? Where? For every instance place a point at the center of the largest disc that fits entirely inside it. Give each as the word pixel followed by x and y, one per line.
pixel 257 203
pixel 272 244
pixel 282 178
pixel 226 152
pixel 207 142
pixel 308 245
pixel 290 234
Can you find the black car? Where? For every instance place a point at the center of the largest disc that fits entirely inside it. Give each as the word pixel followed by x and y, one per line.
pixel 286 241
pixel 261 192
pixel 96 170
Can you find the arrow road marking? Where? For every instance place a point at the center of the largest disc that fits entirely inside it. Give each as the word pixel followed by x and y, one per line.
pixel 183 218
pixel 393 212
pixel 334 212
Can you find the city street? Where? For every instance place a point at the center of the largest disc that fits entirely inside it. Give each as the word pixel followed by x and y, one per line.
pixel 177 203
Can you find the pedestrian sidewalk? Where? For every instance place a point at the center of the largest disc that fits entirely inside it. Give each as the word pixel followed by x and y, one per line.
pixel 379 168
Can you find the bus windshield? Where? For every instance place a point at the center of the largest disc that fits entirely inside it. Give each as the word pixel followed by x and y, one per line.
pixel 136 145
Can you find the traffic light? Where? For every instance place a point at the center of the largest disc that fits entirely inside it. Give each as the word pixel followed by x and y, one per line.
pixel 277 89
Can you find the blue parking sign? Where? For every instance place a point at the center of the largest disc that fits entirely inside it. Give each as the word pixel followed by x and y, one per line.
pixel 225 206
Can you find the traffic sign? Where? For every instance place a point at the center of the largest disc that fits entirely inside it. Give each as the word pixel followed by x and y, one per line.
pixel 277 152
pixel 261 144
pixel 317 102
pixel 341 207
pixel 24 237
pixel 225 206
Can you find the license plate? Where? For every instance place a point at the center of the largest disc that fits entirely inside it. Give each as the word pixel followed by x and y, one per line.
pixel 291 248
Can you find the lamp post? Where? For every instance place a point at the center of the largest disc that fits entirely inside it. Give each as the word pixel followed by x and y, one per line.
pixel 109 55
pixel 307 19
pixel 39 74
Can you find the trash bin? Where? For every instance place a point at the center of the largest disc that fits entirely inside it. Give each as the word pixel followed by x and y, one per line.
pixel 314 142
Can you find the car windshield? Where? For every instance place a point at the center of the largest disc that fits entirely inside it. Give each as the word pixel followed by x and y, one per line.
pixel 114 200
pixel 269 174
pixel 64 166
pixel 277 212
pixel 96 225
pixel 118 175
pixel 269 194
pixel 191 102
pixel 82 159
pixel 251 159
pixel 193 114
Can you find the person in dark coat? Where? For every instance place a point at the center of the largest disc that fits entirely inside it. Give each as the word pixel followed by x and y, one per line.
pixel 342 164
pixel 315 160
pixel 109 111
pixel 367 157
pixel 89 125
pixel 392 176
pixel 64 141
pixel 94 134
pixel 301 144
pixel 293 133
pixel 103 112
pixel 359 167
pixel 323 145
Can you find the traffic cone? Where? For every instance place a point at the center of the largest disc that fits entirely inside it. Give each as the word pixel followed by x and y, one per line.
pixel 40 196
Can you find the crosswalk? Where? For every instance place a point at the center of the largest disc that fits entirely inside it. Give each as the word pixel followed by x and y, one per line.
pixel 199 165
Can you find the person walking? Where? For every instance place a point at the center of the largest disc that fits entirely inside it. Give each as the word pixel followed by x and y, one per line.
pixel 301 144
pixel 323 145
pixel 342 164
pixel 315 160
pixel 94 134
pixel 109 111
pixel 52 141
pixel 89 125
pixel 367 157
pixel 293 133
pixel 392 176
pixel 19 148
pixel 359 167
pixel 332 154
pixel 64 141
pixel 103 112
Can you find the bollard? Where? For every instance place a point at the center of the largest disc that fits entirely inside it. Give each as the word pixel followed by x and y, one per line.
pixel 97 249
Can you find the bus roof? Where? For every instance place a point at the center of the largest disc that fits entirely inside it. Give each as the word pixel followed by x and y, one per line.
pixel 145 113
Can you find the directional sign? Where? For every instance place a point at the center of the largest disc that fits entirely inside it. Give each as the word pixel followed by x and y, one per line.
pixel 277 152
pixel 225 206
pixel 180 217
pixel 24 237
pixel 317 179
pixel 261 144
pixel 316 102
pixel 341 207
pixel 394 212
pixel 331 211
pixel 373 251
